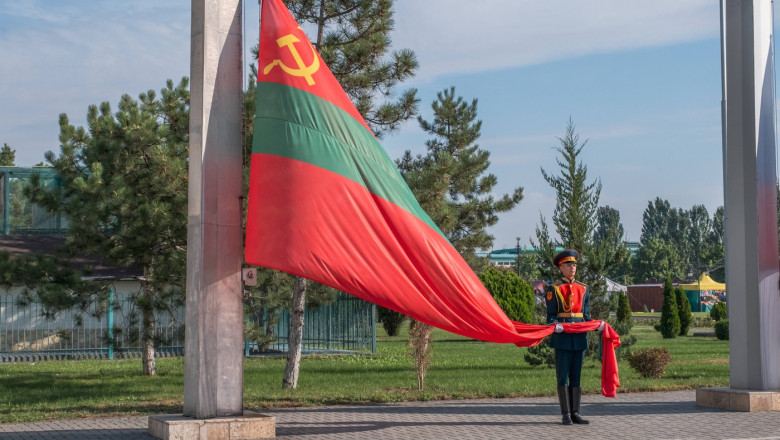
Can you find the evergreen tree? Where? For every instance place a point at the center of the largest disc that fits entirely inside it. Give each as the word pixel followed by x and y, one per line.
pixel 451 183
pixel 684 308
pixel 124 190
pixel 670 313
pixel 577 201
pixel 546 248
pixel 391 320
pixel 451 180
pixel 622 325
pixel 7 156
pixel 624 308
pixel 719 311
pixel 575 219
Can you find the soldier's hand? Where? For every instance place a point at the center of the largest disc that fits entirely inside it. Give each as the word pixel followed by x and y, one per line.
pixel 558 328
pixel 601 326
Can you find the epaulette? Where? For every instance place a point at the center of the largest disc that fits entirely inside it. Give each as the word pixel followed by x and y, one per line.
pixel 558 282
pixel 580 283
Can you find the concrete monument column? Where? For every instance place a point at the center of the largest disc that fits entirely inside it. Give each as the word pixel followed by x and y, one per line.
pixel 750 176
pixel 214 332
pixel 214 355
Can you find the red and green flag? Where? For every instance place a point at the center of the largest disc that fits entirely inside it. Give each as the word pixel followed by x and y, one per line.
pixel 327 203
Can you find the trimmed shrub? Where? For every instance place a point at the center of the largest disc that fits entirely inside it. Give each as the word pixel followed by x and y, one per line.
pixel 670 315
pixel 650 362
pixel 722 329
pixel 684 309
pixel 391 320
pixel 626 338
pixel 540 354
pixel 704 321
pixel 718 311
pixel 624 308
pixel 513 294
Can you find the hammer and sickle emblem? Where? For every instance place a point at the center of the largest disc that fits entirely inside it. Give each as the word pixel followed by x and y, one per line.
pixel 303 70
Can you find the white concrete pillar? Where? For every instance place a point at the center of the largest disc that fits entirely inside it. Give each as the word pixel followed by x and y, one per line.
pixel 213 363
pixel 750 176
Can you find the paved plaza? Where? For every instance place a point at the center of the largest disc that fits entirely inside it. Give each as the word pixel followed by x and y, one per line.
pixel 636 416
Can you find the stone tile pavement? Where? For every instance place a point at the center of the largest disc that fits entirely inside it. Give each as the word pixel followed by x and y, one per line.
pixel 635 416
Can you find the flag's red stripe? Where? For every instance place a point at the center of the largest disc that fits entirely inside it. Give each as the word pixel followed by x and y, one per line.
pixel 331 230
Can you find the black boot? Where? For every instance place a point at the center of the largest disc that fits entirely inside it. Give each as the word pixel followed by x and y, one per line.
pixel 575 394
pixel 563 399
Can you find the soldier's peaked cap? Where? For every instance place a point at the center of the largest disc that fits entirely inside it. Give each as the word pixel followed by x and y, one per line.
pixel 566 256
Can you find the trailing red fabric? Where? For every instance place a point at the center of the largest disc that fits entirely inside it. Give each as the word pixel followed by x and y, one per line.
pixel 533 334
pixel 327 203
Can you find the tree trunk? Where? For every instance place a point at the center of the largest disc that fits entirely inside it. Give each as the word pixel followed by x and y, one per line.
pixel 147 338
pixel 420 349
pixel 296 334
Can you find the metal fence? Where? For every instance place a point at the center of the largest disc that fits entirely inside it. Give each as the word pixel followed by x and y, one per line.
pixel 347 324
pixel 26 333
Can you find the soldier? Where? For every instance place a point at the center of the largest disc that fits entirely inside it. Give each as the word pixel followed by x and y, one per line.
pixel 568 301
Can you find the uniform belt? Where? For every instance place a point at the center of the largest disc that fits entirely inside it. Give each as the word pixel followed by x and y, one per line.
pixel 570 315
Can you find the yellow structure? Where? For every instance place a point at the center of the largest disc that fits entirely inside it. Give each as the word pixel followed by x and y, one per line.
pixel 701 293
pixel 704 283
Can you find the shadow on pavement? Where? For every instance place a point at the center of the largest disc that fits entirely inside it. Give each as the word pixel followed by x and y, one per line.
pixel 97 434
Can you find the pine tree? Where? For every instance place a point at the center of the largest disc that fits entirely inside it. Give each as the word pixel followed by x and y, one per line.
pixel 124 191
pixel 670 314
pixel 574 216
pixel 684 310
pixel 575 219
pixel 451 182
pixel 7 156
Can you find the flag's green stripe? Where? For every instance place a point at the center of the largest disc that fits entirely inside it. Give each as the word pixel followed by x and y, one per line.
pixel 292 123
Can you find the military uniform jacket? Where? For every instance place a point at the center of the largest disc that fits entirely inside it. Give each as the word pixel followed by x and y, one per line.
pixel 566 297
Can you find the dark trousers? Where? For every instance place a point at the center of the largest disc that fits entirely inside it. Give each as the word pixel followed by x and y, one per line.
pixel 568 366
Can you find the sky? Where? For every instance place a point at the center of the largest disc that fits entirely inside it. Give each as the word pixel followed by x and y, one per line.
pixel 640 80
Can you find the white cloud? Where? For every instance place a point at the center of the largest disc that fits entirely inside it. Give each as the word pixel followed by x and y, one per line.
pixel 62 58
pixel 464 36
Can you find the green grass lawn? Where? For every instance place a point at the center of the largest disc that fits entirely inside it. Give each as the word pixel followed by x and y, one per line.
pixel 461 368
